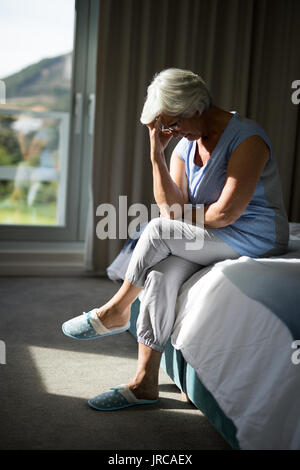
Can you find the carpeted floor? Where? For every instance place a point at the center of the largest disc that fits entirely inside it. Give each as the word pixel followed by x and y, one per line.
pixel 48 378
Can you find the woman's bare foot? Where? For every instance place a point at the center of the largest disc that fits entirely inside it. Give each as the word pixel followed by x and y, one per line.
pixel 116 312
pixel 144 388
pixel 113 316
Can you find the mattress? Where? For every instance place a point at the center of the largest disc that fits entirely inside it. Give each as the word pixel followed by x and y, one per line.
pixel 238 325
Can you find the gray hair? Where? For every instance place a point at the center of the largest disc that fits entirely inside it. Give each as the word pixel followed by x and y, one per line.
pixel 175 92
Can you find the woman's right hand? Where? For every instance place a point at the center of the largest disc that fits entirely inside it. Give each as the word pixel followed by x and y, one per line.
pixel 158 139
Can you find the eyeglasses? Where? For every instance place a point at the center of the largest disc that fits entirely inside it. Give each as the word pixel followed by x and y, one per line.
pixel 170 129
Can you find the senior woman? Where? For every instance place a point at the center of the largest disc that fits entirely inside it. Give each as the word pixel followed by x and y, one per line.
pixel 225 164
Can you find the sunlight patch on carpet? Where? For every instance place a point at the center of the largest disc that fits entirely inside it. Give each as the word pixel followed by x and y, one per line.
pixel 79 374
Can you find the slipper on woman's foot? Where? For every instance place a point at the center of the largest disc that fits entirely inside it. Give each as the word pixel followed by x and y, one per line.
pixel 89 326
pixel 117 398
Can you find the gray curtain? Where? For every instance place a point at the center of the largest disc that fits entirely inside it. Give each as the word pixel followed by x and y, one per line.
pixel 246 50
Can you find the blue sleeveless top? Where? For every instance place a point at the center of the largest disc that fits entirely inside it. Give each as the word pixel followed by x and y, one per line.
pixel 262 230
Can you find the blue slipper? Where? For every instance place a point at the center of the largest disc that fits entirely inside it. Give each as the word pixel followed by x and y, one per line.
pixel 89 326
pixel 117 398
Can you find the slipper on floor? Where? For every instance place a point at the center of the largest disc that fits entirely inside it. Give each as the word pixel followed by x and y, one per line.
pixel 89 326
pixel 117 398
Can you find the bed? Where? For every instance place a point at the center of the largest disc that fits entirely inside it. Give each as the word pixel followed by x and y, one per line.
pixel 235 345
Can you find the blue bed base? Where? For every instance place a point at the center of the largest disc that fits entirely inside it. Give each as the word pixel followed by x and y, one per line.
pixel 186 379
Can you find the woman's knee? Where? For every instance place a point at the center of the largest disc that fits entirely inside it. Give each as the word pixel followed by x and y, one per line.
pixel 154 227
pixel 174 231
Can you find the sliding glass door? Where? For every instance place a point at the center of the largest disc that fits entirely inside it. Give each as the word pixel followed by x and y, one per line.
pixel 44 48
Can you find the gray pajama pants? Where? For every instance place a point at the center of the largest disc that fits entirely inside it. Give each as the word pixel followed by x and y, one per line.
pixel 163 259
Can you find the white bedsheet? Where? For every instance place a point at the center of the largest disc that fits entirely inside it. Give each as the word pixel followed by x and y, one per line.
pixel 242 353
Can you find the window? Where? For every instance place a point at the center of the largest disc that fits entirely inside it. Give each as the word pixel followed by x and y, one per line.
pixel 46 50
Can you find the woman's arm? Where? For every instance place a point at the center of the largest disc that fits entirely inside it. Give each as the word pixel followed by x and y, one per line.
pixel 168 186
pixel 244 169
